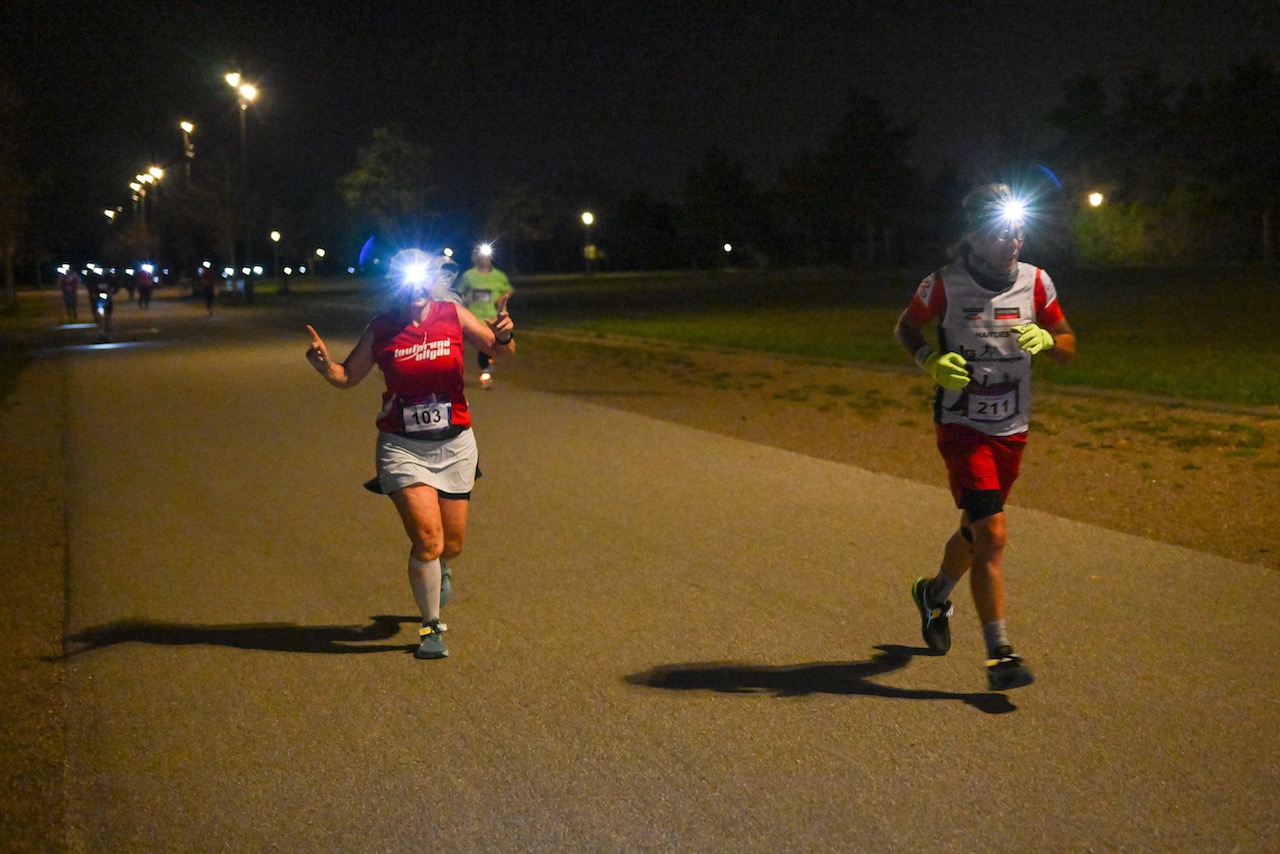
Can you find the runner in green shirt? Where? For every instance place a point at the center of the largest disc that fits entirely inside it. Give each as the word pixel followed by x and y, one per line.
pixel 480 288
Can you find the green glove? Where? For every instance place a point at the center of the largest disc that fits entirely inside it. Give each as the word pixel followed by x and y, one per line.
pixel 1033 338
pixel 947 370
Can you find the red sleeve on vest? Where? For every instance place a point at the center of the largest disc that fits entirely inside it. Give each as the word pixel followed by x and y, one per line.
pixel 1048 312
pixel 930 300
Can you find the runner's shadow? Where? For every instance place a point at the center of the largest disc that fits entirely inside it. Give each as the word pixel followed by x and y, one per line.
pixel 801 680
pixel 271 637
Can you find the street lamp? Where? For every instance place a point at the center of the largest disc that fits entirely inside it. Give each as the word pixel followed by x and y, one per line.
pixel 1095 199
pixel 246 93
pixel 588 250
pixel 139 187
pixel 188 147
pixel 275 252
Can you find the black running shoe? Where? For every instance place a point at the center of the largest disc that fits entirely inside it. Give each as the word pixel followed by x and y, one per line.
pixel 1005 670
pixel 935 622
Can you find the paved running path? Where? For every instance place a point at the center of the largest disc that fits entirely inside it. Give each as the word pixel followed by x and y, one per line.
pixel 661 638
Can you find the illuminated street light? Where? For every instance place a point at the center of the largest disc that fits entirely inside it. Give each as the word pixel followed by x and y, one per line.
pixel 1095 199
pixel 188 147
pixel 275 262
pixel 246 94
pixel 110 214
pixel 588 249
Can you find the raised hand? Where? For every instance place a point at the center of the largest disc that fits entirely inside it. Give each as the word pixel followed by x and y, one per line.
pixel 317 353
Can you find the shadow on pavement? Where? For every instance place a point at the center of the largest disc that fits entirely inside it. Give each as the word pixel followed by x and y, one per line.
pixel 800 680
pixel 272 637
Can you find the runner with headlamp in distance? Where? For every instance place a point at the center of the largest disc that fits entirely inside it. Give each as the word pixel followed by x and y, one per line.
pixel 481 288
pixel 426 452
pixel 994 315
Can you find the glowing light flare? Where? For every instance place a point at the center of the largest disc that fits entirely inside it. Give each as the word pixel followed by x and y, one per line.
pixel 187 127
pixel 485 250
pixel 413 274
pixel 1013 212
pixel 1095 199
pixel 588 218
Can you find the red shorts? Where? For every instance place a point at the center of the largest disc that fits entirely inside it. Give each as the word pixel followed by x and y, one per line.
pixel 976 461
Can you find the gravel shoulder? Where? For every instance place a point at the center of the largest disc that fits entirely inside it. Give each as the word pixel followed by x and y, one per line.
pixel 1198 476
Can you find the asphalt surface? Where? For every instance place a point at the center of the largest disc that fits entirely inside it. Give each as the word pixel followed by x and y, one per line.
pixel 661 639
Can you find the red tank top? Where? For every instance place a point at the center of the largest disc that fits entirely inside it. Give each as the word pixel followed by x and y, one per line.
pixel 422 365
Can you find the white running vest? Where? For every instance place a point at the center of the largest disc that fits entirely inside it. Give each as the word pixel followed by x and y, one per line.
pixel 978 325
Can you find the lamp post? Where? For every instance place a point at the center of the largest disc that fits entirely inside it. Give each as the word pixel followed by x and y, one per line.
pixel 136 187
pixel 188 147
pixel 588 251
pixel 275 262
pixel 246 94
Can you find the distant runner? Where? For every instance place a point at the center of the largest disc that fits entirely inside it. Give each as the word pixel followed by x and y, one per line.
pixel 482 287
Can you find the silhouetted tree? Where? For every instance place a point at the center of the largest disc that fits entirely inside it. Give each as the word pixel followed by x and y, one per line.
pixel 719 204
pixel 391 185
pixel 14 188
pixel 517 217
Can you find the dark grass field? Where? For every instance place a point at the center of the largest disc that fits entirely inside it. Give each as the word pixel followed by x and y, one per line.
pixel 1194 333
pixel 1191 333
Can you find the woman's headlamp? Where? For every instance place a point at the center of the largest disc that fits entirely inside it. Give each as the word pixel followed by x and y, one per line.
pixel 414 271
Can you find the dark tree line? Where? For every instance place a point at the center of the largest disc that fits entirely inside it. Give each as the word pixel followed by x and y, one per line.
pixel 1189 173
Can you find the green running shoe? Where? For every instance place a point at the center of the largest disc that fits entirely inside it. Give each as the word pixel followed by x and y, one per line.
pixel 446 583
pixel 935 618
pixel 432 645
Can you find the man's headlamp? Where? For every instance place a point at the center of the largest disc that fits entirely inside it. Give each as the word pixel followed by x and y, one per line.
pixel 993 210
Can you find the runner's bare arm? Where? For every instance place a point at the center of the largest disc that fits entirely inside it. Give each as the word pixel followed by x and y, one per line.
pixel 486 335
pixel 1064 342
pixel 350 371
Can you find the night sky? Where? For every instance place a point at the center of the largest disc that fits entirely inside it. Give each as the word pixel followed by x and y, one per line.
pixel 507 92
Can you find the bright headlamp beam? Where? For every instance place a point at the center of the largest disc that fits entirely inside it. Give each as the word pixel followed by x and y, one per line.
pixel 1013 212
